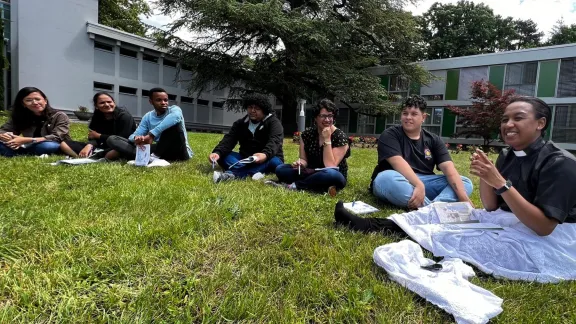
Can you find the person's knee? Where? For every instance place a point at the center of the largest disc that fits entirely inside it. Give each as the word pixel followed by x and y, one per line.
pixel 392 186
pixel 111 140
pixel 283 168
pixel 388 178
pixel 468 186
pixel 336 178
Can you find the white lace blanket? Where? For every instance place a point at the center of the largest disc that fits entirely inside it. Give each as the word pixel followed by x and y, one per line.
pixel 514 253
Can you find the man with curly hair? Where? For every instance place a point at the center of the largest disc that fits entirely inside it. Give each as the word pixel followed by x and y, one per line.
pixel 260 135
pixel 407 155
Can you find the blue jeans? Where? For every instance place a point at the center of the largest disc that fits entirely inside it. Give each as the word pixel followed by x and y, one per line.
pixel 318 181
pixel 46 147
pixel 244 170
pixel 392 187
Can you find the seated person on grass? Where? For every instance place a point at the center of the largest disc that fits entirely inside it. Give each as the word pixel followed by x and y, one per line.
pixel 407 155
pixel 34 128
pixel 107 120
pixel 532 178
pixel 323 146
pixel 260 134
pixel 163 125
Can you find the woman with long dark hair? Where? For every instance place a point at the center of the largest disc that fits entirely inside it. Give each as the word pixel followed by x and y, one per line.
pixel 34 128
pixel 107 120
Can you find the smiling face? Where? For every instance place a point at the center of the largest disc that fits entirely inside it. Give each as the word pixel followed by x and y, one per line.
pixel 324 119
pixel 519 127
pixel 412 119
pixel 255 113
pixel 105 104
pixel 35 102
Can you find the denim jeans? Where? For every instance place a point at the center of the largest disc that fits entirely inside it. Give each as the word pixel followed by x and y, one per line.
pixel 391 186
pixel 46 147
pixel 318 181
pixel 244 170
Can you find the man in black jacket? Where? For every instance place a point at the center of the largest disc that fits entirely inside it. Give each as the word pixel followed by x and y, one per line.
pixel 260 134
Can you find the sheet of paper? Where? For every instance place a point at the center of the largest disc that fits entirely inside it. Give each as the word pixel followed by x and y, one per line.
pixel 360 207
pixel 78 161
pixel 142 155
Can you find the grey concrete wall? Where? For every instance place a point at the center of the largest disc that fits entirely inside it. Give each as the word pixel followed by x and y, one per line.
pixel 53 51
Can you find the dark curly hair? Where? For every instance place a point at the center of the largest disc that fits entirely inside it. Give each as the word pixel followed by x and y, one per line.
pixel 415 101
pixel 325 104
pixel 259 100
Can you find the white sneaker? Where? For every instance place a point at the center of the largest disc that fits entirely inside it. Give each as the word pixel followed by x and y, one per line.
pixel 216 176
pixel 157 162
pixel 258 176
pixel 131 162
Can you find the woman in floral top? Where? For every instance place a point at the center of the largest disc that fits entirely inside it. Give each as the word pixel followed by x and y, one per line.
pixel 324 148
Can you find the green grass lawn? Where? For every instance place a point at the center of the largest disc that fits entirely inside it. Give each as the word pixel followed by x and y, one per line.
pixel 111 242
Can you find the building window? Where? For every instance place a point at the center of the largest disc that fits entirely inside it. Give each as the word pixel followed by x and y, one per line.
pixel 150 58
pixel 392 120
pixel 128 90
pixel 129 53
pixel 564 130
pixel 104 47
pixel 366 124
pixel 460 128
pixel 433 97
pixel 522 78
pixel 567 81
pixel 202 102
pixel 186 100
pixel 103 86
pixel 342 119
pixel 399 86
pixel 467 77
pixel 145 93
pixel 169 63
pixel 433 121
pixel 172 97
pixel 216 104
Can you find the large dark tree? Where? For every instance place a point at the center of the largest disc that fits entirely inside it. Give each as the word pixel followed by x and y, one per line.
pixel 562 34
pixel 466 28
pixel 124 15
pixel 296 48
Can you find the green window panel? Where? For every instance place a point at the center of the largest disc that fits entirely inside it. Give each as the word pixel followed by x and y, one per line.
pixel 415 88
pixel 448 123
pixel 452 81
pixel 385 81
pixel 353 122
pixel 548 78
pixel 380 124
pixel 496 76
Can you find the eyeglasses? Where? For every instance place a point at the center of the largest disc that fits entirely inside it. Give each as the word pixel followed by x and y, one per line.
pixel 31 101
pixel 326 116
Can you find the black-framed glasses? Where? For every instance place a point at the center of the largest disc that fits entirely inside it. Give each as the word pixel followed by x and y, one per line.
pixel 326 116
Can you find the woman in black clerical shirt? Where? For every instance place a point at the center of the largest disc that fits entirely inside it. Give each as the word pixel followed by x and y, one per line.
pixel 533 178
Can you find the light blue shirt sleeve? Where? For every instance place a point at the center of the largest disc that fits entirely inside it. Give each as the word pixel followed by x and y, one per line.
pixel 174 117
pixel 142 129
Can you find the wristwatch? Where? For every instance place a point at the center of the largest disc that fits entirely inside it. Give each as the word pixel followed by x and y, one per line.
pixel 33 140
pixel 327 143
pixel 502 190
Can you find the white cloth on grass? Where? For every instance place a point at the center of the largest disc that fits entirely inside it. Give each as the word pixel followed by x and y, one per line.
pixel 447 288
pixel 515 252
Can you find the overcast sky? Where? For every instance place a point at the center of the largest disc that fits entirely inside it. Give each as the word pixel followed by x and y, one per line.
pixel 544 12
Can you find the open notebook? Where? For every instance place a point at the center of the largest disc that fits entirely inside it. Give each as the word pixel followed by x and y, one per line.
pixel 360 207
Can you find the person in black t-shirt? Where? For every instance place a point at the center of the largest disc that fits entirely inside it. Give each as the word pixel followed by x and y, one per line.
pixel 533 178
pixel 321 166
pixel 407 155
pixel 107 120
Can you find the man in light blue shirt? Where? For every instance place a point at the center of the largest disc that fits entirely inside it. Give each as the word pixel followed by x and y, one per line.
pixel 164 125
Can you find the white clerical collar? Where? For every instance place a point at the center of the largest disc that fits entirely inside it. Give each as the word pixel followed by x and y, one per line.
pixel 520 153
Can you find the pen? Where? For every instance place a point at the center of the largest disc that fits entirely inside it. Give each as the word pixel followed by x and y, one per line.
pixel 353 202
pixel 213 164
pixel 298 166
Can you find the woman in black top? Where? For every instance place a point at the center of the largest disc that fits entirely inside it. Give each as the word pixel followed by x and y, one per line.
pixel 323 151
pixel 107 120
pixel 533 178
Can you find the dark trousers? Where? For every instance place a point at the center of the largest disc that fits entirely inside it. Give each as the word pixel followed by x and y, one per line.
pixel 318 181
pixel 171 147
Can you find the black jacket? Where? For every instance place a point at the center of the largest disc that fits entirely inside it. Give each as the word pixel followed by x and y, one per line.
pixel 268 138
pixel 124 125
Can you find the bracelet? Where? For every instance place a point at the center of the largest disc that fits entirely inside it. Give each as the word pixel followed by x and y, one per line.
pixel 327 143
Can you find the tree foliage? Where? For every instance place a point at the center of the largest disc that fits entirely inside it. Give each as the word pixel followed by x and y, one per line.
pixel 562 34
pixel 295 48
pixel 466 28
pixel 124 15
pixel 483 118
